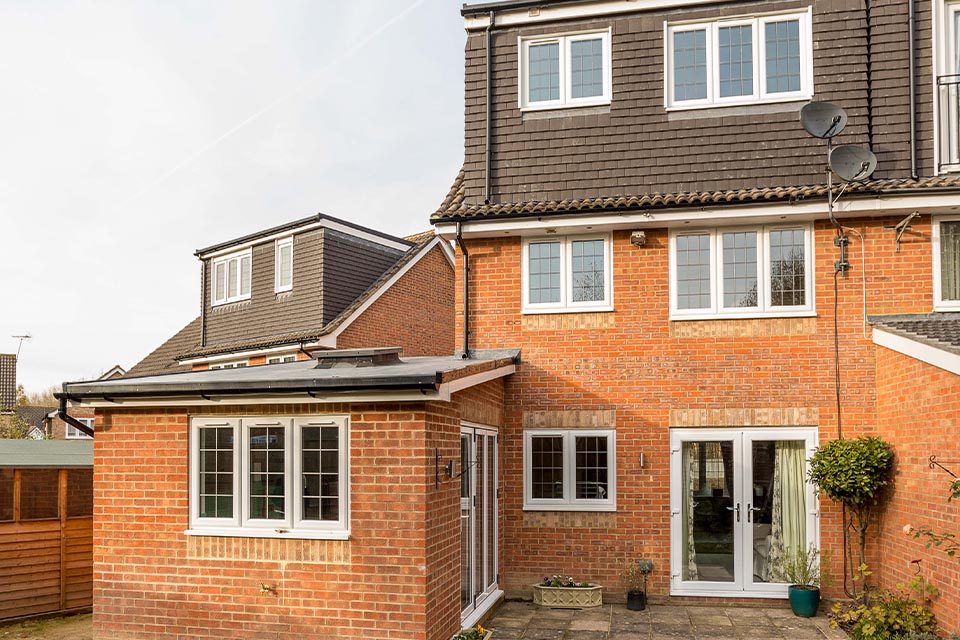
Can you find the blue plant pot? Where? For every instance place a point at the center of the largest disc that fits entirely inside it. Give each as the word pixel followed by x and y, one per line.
pixel 804 601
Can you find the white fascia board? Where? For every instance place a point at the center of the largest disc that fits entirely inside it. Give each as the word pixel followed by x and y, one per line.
pixel 917 350
pixel 528 15
pixel 449 388
pixel 321 343
pixel 386 287
pixel 327 224
pixel 213 400
pixel 715 216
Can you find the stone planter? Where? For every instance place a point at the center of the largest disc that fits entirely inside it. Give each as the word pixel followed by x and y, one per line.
pixel 568 597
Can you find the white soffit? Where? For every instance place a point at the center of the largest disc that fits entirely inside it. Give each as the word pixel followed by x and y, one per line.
pixel 586 10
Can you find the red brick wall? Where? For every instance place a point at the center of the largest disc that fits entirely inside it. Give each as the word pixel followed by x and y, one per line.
pixel 637 364
pixel 918 411
pixel 416 313
pixel 398 574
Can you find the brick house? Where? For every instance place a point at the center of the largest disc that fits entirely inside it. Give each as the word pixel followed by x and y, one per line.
pixel 641 213
pixel 642 216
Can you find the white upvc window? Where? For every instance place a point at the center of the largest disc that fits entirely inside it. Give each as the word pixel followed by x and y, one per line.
pixel 739 61
pixel 946 263
pixel 742 272
pixel 290 357
pixel 75 434
pixel 569 470
pixel 270 476
pixel 284 265
pixel 235 364
pixel 231 277
pixel 567 274
pixel 571 70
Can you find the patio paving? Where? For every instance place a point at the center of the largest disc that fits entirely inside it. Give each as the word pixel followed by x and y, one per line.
pixel 527 621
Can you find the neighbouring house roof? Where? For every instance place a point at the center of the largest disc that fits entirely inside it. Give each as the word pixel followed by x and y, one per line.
pixel 163 359
pixel 455 207
pixel 113 372
pixel 8 380
pixel 34 416
pixel 332 372
pixel 47 454
pixel 940 331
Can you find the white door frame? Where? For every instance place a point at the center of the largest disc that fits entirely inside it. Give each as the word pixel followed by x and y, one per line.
pixel 482 528
pixel 742 438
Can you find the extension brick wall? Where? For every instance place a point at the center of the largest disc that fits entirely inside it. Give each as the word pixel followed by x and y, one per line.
pixel 647 374
pixel 918 407
pixel 398 574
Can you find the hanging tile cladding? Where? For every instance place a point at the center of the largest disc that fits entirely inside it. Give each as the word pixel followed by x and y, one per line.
pixel 349 266
pixel 635 146
pixel 330 270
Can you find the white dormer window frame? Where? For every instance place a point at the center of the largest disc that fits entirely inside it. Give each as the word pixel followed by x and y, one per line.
pixel 283 271
pixel 231 278
pixel 760 93
pixel 940 268
pixel 565 43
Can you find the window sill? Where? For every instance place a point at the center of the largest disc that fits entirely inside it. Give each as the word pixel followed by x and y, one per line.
pixel 534 311
pixel 743 316
pixel 221 305
pixel 600 102
pixel 947 307
pixel 677 108
pixel 570 507
pixel 267 533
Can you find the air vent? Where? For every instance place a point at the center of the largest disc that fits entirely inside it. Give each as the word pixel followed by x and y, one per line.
pixel 357 358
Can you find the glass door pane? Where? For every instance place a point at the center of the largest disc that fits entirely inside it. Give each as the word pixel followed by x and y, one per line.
pixel 708 512
pixel 466 523
pixel 481 503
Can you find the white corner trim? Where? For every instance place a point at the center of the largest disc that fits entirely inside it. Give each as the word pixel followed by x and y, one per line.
pixel 383 289
pixel 917 350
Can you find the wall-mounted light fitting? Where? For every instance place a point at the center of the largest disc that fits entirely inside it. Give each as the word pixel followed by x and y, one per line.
pixel 638 238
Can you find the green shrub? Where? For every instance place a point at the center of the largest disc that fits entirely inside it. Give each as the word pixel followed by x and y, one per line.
pixel 889 615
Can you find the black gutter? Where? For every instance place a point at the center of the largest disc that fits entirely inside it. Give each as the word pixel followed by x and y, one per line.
pixel 203 302
pixel 489 114
pixel 70 420
pixel 912 73
pixel 466 293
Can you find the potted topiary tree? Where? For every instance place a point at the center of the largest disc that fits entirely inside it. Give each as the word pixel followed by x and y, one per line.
pixel 803 570
pixel 852 472
pixel 634 576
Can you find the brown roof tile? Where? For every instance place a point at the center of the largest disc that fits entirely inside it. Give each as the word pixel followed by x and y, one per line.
pixel 454 208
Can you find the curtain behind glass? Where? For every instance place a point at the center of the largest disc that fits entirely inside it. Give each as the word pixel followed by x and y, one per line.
pixel 689 550
pixel 950 260
pixel 789 522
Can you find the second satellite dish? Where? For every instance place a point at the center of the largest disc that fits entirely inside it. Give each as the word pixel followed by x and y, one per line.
pixel 822 119
pixel 852 163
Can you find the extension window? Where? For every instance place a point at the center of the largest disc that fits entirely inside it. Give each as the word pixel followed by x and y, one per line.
pixel 270 477
pixel 569 470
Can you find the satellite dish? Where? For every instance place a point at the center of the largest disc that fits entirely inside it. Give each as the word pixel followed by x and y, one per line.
pixel 822 119
pixel 852 163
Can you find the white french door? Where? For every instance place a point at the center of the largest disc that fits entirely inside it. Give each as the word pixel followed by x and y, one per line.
pixel 478 518
pixel 739 499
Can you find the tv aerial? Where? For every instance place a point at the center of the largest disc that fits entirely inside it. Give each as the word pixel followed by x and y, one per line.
pixel 21 338
pixel 850 162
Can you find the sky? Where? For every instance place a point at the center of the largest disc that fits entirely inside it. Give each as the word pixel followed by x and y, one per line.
pixel 133 133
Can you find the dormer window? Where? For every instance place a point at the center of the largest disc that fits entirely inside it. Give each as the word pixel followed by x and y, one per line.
pixel 570 70
pixel 284 265
pixel 231 277
pixel 739 61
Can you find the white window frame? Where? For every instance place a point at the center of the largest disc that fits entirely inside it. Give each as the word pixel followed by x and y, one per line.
pixel 765 306
pixel 72 433
pixel 760 94
pixel 280 244
pixel 293 525
pixel 233 364
pixel 939 304
pixel 225 261
pixel 566 304
pixel 566 81
pixel 287 357
pixel 569 502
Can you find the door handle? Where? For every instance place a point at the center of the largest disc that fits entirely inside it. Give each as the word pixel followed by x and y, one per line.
pixel 750 511
pixel 736 509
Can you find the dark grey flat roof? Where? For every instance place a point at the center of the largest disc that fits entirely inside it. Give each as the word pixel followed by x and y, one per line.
pixel 426 372
pixel 939 330
pixel 47 454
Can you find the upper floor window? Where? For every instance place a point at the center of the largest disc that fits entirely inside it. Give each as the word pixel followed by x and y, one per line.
pixel 734 272
pixel 569 470
pixel 269 476
pixel 75 434
pixel 284 265
pixel 565 71
pixel 742 61
pixel 231 277
pixel 290 357
pixel 946 263
pixel 567 274
pixel 236 364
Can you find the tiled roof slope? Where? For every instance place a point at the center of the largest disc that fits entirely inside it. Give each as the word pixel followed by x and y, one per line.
pixel 163 358
pixel 8 380
pixel 455 208
pixel 941 330
pixel 34 416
